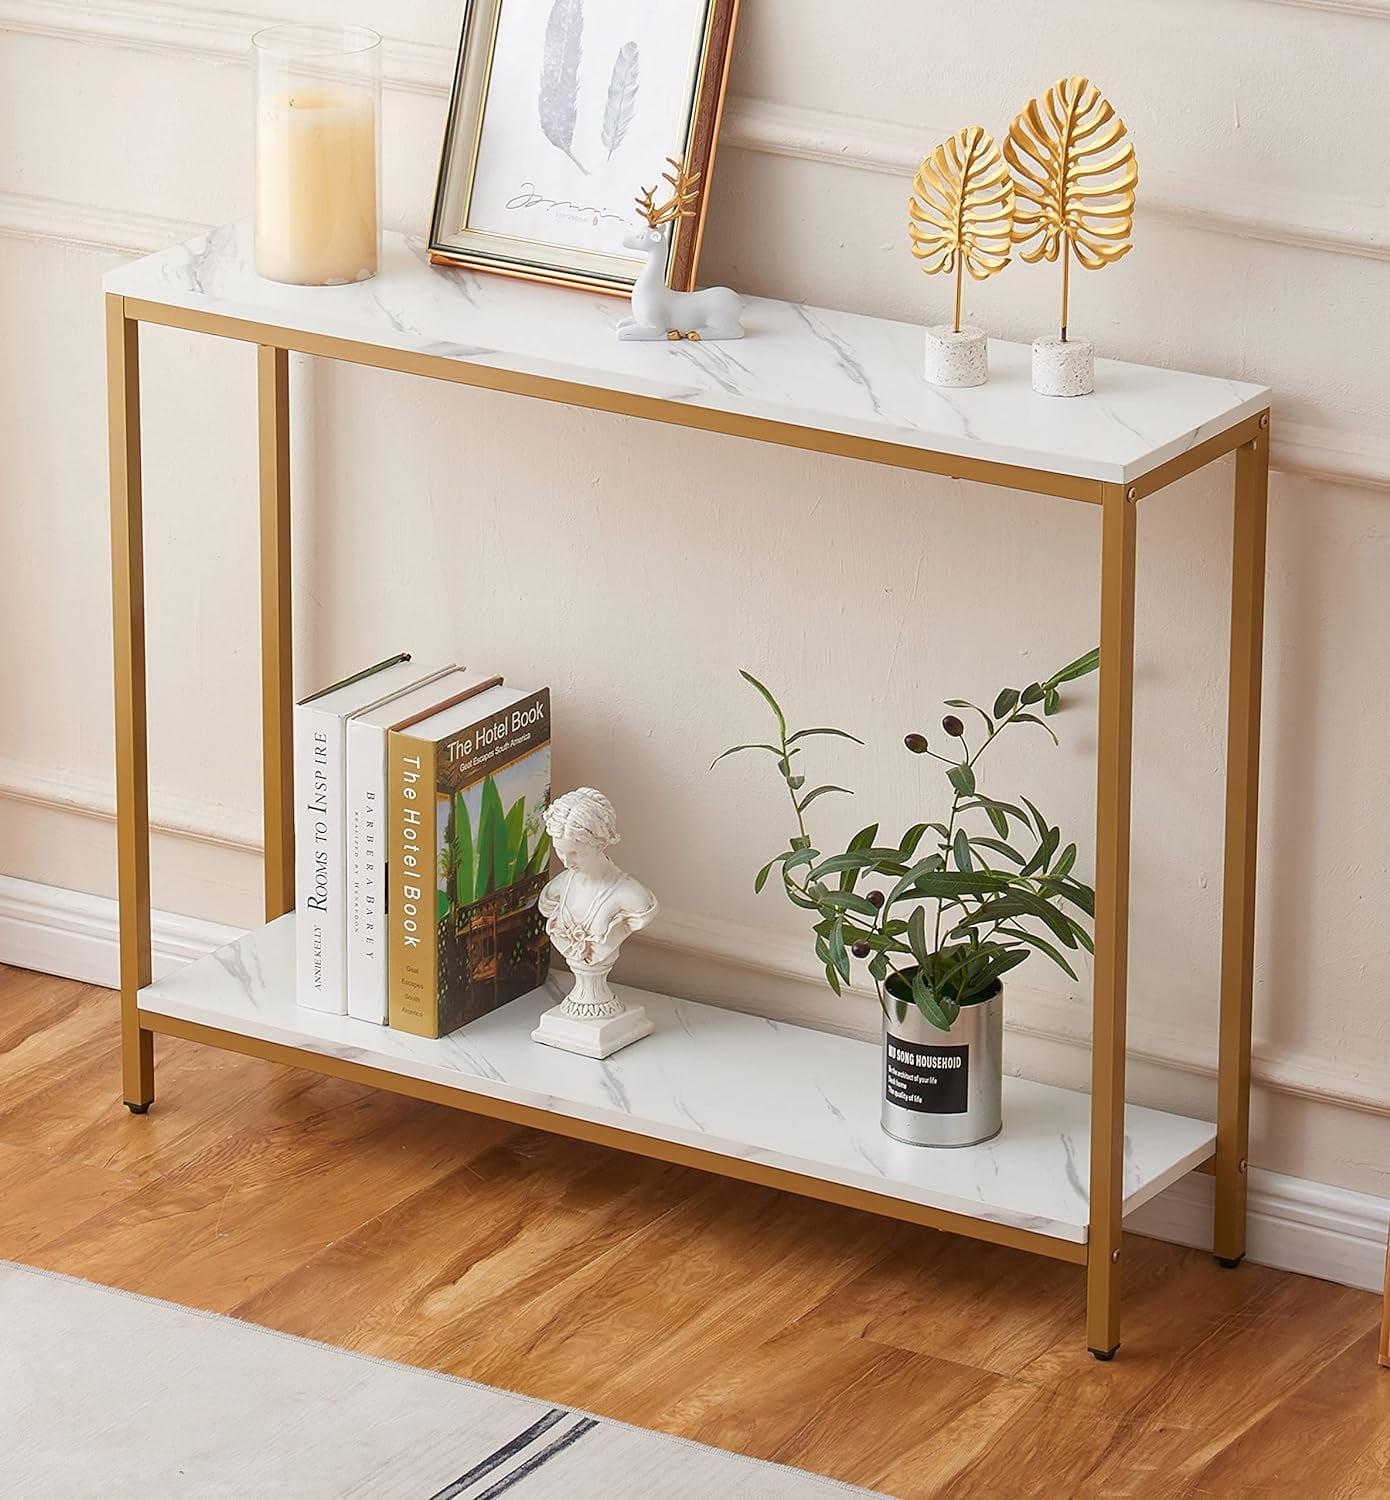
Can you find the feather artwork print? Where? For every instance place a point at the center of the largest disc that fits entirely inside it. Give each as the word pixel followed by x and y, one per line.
pixel 559 96
pixel 622 97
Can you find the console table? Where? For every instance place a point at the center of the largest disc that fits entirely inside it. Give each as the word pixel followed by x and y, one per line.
pixel 781 1105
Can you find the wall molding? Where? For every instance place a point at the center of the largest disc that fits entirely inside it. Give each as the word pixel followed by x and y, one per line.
pixel 1358 459
pixel 1307 221
pixel 171 815
pixel 1376 9
pixel 1308 1227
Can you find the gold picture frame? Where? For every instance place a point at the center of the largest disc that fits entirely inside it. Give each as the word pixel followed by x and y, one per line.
pixel 552 128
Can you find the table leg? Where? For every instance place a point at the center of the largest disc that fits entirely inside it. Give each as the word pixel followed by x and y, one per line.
pixel 1385 1316
pixel 277 644
pixel 1242 808
pixel 128 638
pixel 1118 530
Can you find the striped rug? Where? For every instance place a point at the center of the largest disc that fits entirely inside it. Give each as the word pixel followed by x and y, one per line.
pixel 108 1395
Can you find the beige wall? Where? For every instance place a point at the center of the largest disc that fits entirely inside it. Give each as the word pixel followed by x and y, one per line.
pixel 541 541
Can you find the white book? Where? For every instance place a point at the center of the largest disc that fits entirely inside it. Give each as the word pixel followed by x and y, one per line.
pixel 320 842
pixel 366 828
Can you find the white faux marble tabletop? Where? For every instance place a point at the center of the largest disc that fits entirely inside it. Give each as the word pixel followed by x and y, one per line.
pixel 737 1085
pixel 805 366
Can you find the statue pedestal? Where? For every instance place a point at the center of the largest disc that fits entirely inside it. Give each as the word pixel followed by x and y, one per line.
pixel 592 1036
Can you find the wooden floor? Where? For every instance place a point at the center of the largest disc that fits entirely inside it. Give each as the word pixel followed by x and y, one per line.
pixel 898 1358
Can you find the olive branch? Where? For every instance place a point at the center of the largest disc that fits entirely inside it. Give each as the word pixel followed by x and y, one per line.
pixel 999 895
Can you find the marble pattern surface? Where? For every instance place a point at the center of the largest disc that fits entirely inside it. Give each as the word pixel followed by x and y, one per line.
pixel 810 367
pixel 738 1085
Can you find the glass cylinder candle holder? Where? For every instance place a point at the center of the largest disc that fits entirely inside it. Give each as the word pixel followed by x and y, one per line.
pixel 318 154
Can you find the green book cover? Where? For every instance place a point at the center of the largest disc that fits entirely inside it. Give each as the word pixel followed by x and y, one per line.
pixel 468 858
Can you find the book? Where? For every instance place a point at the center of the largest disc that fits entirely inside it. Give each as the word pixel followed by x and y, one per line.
pixel 320 842
pixel 366 826
pixel 467 857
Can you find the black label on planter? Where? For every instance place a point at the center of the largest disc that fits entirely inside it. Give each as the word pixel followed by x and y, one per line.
pixel 929 1080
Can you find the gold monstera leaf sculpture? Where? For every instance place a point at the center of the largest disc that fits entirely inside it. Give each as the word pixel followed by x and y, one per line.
pixel 961 212
pixel 1074 176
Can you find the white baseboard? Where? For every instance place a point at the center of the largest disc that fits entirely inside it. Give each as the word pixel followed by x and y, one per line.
pixel 1294 1225
pixel 75 935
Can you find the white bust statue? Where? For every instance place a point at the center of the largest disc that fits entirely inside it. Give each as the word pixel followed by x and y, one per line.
pixel 590 910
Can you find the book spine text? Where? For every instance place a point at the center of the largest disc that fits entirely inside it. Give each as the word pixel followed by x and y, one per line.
pixel 412 862
pixel 319 861
pixel 366 885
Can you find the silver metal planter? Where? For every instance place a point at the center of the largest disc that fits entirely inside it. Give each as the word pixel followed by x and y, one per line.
pixel 943 1088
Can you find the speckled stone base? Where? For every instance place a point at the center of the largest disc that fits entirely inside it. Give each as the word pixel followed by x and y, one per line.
pixel 956 359
pixel 1063 369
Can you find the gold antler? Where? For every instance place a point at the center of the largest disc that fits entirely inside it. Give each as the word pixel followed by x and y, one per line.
pixel 685 193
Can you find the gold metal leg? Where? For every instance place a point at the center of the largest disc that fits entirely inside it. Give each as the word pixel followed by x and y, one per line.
pixel 128 634
pixel 1119 518
pixel 1242 808
pixel 277 650
pixel 1385 1315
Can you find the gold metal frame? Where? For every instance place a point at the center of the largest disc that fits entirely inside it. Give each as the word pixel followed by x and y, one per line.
pixel 1119 506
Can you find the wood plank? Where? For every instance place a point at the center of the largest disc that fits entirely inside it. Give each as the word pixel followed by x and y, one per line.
pixel 885 1355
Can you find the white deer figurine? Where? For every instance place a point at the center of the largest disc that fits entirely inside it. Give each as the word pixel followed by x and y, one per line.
pixel 657 311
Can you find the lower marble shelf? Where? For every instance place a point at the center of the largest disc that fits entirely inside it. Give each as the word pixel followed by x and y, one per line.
pixel 737 1086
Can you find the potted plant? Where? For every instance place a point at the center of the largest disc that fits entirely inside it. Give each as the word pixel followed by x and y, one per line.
pixel 942 915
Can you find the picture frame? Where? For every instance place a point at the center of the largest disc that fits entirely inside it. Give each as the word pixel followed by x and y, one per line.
pixel 561 110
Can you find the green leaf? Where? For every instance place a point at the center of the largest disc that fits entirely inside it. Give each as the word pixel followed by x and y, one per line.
pixel 463 853
pixel 738 749
pixel 839 954
pixel 540 860
pixel 1047 847
pixel 1007 700
pixel 1038 818
pixel 1041 944
pixel 1080 896
pixel 863 838
pixel 878 967
pixel 1033 719
pixel 965 703
pixel 963 779
pixel 927 1003
pixel 861 859
pixel 771 702
pixel 946 883
pixel 843 734
pixel 960 851
pixel 1065 860
pixel 1052 701
pixel 832 978
pixel 821 791
pixel 911 839
pixel 998 821
pixel 515 845
pixel 1020 903
pixel 1033 693
pixel 917 934
pixel 803 854
pixel 904 881
pixel 1078 668
pixel 1003 807
pixel 796 782
pixel 849 901
pixel 492 840
pixel 998 847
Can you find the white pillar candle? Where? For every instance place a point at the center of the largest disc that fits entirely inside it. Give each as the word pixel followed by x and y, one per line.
pixel 316 187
